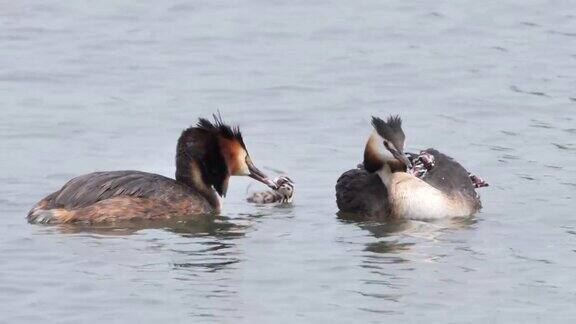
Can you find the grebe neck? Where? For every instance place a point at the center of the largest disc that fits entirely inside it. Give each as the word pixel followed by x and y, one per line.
pixel 200 164
pixel 385 174
pixel 189 173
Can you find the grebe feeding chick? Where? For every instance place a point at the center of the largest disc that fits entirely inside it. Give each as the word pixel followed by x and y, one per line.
pixel 382 188
pixel 206 156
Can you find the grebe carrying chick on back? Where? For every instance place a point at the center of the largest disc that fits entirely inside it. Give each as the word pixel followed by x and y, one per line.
pixel 206 156
pixel 388 185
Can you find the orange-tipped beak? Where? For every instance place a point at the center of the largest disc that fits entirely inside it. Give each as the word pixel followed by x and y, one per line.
pixel 258 175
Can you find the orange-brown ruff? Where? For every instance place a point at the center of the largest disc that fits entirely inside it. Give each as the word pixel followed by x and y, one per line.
pixel 381 189
pixel 207 155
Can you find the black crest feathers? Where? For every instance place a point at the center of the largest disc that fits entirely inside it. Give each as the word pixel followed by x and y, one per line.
pixel 218 127
pixel 391 129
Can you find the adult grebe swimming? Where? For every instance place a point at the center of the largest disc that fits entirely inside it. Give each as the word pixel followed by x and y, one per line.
pixel 383 189
pixel 206 156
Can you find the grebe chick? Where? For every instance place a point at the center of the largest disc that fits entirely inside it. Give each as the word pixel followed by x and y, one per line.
pixel 283 194
pixel 206 156
pixel 383 189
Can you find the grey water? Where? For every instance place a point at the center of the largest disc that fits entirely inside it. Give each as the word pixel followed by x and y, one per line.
pixel 109 85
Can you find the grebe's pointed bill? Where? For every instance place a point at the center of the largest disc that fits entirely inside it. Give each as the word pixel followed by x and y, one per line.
pixel 400 156
pixel 258 175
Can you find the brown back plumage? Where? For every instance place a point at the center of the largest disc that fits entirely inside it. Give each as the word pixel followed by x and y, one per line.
pixel 88 189
pixel 361 192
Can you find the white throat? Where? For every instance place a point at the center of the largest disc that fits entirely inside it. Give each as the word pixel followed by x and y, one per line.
pixel 385 174
pixel 376 147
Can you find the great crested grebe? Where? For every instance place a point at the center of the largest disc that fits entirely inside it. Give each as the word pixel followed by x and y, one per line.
pixel 382 188
pixel 206 156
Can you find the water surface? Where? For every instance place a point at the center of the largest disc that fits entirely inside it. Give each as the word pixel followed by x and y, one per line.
pixel 109 85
